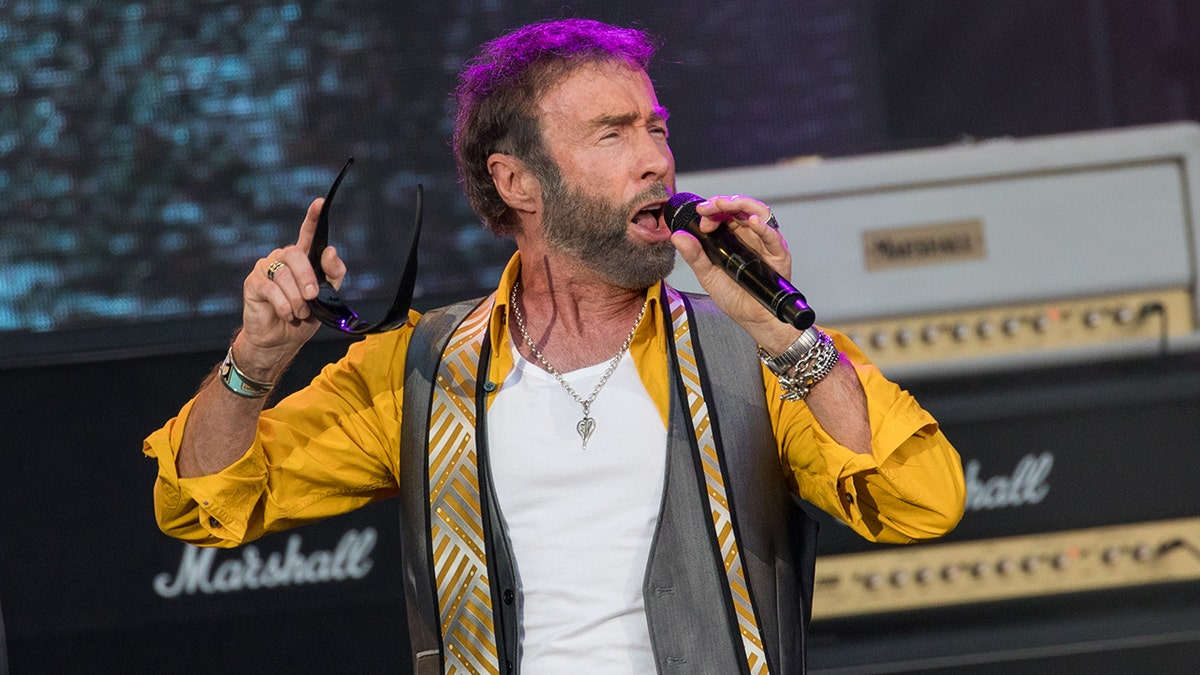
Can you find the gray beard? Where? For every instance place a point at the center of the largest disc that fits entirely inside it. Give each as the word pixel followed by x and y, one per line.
pixel 595 232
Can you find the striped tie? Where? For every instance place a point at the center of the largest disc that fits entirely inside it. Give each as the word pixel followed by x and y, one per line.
pixel 456 529
pixel 715 486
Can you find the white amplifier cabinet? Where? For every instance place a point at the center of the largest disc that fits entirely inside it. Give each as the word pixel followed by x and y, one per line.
pixel 996 254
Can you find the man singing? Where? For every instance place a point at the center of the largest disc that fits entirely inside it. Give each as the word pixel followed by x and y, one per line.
pixel 596 473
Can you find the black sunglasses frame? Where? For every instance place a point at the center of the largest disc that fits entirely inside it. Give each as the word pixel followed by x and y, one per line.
pixel 328 306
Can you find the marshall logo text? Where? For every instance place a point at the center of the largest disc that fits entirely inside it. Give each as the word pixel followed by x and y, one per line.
pixel 923 244
pixel 1025 486
pixel 350 559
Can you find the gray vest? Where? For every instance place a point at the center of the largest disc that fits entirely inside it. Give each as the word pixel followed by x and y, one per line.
pixel 691 619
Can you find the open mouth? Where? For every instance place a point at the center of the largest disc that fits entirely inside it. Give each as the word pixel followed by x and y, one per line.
pixel 649 217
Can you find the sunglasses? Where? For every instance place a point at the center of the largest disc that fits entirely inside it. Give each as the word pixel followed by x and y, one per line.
pixel 329 307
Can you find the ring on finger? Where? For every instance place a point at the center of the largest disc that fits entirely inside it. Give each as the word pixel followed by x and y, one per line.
pixel 273 268
pixel 771 222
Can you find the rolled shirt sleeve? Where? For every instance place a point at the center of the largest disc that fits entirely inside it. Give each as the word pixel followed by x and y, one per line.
pixel 325 450
pixel 909 488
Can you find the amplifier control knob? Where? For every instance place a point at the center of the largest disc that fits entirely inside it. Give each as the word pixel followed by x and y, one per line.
pixel 904 337
pixel 986 329
pixel 1123 315
pixel 879 339
pixel 1011 326
pixel 1005 566
pixel 873 581
pixel 1110 555
pixel 1031 564
pixel 1092 318
pixel 923 575
pixel 961 332
pixel 1041 323
pixel 930 334
pixel 900 578
pixel 1142 552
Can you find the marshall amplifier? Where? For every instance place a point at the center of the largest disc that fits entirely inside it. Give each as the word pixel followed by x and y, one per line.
pixel 993 255
pixel 1039 297
pixel 89 584
pixel 1080 546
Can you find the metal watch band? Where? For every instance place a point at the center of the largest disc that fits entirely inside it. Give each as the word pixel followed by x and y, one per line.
pixel 797 352
pixel 806 362
pixel 800 380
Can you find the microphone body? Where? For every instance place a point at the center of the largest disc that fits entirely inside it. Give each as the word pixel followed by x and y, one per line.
pixel 741 263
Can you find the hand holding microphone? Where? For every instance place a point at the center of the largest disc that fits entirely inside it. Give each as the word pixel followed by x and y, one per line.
pixel 740 262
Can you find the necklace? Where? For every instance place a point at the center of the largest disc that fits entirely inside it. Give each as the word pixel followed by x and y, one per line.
pixel 587 425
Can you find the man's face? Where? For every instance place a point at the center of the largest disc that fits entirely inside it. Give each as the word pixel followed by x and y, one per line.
pixel 611 173
pixel 595 232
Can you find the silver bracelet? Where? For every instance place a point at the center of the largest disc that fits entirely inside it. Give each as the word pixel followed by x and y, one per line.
pixel 796 353
pixel 237 382
pixel 806 368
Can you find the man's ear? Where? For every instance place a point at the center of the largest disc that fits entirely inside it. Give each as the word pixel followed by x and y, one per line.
pixel 517 185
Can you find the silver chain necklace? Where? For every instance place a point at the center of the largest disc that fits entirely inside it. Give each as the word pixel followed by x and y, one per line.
pixel 587 425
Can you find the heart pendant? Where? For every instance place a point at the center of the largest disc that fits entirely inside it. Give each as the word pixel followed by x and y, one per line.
pixel 585 428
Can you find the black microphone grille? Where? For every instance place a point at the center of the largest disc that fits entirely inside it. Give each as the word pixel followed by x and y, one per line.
pixel 681 210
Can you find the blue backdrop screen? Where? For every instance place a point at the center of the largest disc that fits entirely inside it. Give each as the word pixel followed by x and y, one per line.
pixel 151 152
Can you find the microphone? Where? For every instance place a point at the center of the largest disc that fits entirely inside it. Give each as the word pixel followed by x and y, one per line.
pixel 750 272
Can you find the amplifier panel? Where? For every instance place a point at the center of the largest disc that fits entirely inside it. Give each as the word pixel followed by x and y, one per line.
pixel 1011 336
pixel 919 240
pixel 1007 568
pixel 1050 234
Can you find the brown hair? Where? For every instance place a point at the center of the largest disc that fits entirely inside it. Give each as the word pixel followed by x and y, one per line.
pixel 497 96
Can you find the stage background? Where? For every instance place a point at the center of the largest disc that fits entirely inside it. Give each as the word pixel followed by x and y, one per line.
pixel 150 152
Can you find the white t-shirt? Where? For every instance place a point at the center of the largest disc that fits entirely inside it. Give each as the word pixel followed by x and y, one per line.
pixel 580 521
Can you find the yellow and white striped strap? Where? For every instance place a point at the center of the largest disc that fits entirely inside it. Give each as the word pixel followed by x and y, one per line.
pixel 718 500
pixel 457 530
pixel 456 521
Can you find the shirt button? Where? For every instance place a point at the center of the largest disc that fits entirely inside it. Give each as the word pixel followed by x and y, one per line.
pixel 214 522
pixel 509 596
pixel 489 386
pixel 849 498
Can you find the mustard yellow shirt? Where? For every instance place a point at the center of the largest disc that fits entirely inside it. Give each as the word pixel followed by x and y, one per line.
pixel 334 446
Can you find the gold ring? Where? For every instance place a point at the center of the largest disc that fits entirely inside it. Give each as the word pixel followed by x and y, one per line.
pixel 273 268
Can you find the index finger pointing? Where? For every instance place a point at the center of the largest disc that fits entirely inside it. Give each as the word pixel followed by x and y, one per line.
pixel 309 227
